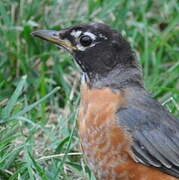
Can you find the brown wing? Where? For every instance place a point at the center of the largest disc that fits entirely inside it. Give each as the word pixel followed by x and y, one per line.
pixel 155 133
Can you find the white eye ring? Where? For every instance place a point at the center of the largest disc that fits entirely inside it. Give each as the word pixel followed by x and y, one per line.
pixel 91 35
pixel 85 40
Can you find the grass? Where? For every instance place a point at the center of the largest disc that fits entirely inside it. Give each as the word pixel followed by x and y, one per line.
pixel 39 85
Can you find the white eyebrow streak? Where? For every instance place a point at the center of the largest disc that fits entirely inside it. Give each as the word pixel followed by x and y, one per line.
pixel 76 34
pixel 93 36
pixel 102 36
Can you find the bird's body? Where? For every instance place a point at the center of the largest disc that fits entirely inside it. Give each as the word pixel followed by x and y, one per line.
pixel 125 133
pixel 106 142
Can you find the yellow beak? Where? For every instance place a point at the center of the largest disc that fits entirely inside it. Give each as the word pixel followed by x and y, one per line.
pixel 54 37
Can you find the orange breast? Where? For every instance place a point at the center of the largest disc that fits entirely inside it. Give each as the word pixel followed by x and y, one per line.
pixel 106 145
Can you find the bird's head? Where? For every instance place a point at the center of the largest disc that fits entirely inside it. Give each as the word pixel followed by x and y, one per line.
pixel 98 49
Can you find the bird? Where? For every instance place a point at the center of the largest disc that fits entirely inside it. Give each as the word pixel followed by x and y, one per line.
pixel 125 133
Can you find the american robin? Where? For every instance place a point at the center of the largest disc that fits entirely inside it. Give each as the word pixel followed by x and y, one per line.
pixel 125 133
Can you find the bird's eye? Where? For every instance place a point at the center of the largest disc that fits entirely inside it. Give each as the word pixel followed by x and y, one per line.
pixel 85 40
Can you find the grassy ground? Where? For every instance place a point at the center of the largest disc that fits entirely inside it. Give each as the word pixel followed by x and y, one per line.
pixel 39 85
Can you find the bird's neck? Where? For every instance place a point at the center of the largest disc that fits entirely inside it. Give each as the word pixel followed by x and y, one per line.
pixel 118 78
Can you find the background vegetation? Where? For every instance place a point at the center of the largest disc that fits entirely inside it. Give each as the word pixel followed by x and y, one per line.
pixel 39 85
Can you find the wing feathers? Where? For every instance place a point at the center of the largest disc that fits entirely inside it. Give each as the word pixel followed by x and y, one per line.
pixel 155 133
